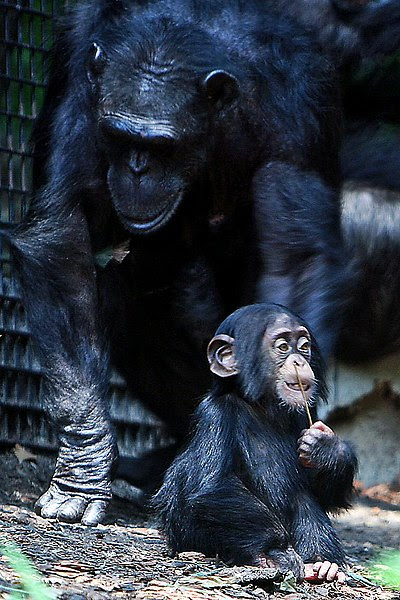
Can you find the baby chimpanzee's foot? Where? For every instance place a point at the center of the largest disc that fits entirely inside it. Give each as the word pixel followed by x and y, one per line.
pixel 283 560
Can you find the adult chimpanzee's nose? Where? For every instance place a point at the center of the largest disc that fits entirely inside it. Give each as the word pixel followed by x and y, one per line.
pixel 139 161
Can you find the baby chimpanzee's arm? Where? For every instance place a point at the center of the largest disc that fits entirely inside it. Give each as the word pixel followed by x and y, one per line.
pixel 332 465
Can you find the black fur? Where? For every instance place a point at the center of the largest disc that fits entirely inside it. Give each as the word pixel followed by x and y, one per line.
pixel 363 39
pixel 238 490
pixel 244 175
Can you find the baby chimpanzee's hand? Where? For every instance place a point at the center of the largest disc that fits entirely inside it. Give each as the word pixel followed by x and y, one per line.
pixel 324 571
pixel 316 444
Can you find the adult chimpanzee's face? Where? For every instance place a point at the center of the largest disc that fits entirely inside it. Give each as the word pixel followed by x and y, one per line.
pixel 288 346
pixel 153 123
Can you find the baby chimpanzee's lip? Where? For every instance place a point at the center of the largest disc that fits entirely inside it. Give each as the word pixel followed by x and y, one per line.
pixel 295 386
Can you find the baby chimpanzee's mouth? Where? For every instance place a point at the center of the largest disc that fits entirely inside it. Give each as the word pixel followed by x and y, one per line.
pixel 296 386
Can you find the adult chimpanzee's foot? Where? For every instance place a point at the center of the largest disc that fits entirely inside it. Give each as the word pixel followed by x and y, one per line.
pixel 72 507
pixel 324 571
pixel 81 486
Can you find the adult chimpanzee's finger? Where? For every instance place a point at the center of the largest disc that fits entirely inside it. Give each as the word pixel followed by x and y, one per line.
pixel 72 510
pixel 304 447
pixel 314 434
pixel 94 513
pixel 324 571
pixel 306 439
pixel 310 572
pixel 341 577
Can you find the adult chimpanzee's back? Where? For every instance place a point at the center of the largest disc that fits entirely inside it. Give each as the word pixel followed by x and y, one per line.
pixel 205 135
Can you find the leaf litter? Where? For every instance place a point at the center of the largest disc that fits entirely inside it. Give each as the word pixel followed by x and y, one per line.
pixel 127 557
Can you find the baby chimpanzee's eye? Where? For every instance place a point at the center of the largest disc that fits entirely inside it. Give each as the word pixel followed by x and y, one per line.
pixel 282 345
pixel 304 345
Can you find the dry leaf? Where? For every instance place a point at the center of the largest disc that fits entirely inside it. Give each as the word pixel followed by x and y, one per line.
pixel 162 590
pixel 147 531
pixel 23 454
pixel 72 570
pixel 191 556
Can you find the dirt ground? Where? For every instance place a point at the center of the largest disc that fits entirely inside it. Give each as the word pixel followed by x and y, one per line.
pixel 127 557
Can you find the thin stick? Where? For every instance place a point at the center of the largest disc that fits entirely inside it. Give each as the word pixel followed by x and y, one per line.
pixel 304 397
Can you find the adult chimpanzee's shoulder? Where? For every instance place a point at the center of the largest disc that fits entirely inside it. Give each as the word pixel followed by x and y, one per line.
pixel 298 90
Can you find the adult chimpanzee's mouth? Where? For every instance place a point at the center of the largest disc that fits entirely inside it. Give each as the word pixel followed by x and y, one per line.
pixel 147 226
pixel 141 225
pixel 142 206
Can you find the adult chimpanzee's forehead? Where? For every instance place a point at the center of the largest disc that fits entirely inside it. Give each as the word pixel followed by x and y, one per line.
pixel 149 92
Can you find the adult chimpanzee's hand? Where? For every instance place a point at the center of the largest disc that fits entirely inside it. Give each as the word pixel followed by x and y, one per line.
pixel 316 445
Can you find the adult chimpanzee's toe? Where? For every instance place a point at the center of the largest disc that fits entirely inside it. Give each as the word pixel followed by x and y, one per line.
pixel 48 504
pixel 94 513
pixel 72 510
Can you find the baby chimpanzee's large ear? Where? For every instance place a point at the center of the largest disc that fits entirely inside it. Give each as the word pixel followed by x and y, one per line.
pixel 221 356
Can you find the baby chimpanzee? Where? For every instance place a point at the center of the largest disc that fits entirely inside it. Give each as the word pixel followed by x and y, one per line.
pixel 254 484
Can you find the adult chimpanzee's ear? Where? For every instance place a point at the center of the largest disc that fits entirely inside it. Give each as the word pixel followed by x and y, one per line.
pixel 96 62
pixel 221 356
pixel 220 86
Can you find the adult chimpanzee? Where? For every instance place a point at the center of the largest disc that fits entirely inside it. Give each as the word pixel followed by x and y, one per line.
pixel 204 135
pixel 371 197
pixel 363 38
pixel 349 29
pixel 253 485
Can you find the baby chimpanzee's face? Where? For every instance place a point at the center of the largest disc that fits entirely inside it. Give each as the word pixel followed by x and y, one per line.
pixel 288 347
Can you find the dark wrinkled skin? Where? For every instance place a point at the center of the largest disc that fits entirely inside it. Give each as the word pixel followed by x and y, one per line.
pixel 252 485
pixel 164 130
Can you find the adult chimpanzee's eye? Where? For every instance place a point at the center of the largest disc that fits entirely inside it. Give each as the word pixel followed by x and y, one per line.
pixel 282 345
pixel 304 344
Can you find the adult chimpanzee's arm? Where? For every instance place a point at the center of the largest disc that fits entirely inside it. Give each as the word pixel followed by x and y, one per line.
pixel 297 219
pixel 332 465
pixel 56 269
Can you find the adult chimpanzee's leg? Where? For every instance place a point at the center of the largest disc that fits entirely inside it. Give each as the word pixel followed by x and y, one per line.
pixel 55 264
pixel 301 253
